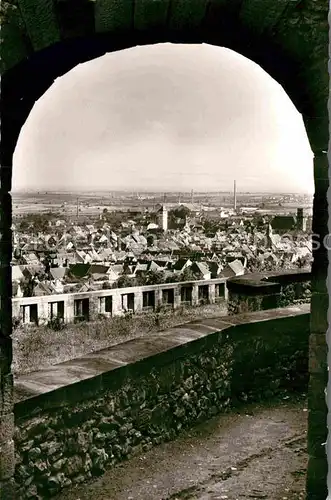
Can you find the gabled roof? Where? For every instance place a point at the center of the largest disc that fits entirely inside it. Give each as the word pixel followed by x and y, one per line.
pixel 99 269
pixel 117 268
pixel 31 257
pixel 79 270
pixel 162 262
pixel 152 226
pixel 202 267
pixel 31 270
pixel 42 289
pixel 15 288
pixel 141 267
pixel 58 273
pixel 83 288
pixel 80 254
pixel 16 273
pixel 140 239
pixel 105 254
pixel 102 239
pixel 283 222
pixel 236 266
pixel 178 266
pixel 98 276
pixel 152 266
pixel 193 207
pixel 120 255
pixel 94 255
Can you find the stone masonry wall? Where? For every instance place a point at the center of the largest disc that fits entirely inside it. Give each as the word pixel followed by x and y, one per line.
pixel 81 429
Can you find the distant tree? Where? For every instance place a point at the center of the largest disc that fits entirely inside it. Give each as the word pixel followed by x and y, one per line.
pixel 27 286
pixel 304 262
pixel 47 264
pixel 179 213
pixel 24 225
pixel 151 278
pixel 17 254
pixel 125 282
pixel 210 226
pixel 106 285
pixel 36 222
pixel 186 275
pixel 173 278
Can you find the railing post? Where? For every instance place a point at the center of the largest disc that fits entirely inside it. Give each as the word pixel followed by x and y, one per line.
pixel 211 293
pixel 177 296
pixel 195 294
pixel 138 300
pixel 158 297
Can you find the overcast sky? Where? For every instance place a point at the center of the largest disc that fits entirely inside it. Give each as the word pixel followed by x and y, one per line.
pixel 165 117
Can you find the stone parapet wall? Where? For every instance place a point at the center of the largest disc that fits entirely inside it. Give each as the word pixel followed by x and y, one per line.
pixel 143 392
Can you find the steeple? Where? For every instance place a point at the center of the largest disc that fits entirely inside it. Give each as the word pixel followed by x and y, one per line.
pixel 269 235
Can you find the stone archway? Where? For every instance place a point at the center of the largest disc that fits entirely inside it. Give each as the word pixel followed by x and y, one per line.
pixel 43 39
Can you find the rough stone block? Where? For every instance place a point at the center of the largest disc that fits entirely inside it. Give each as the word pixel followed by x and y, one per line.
pixel 111 15
pixel 318 353
pixel 318 132
pixel 6 394
pixel 138 414
pixel 316 483
pixel 319 272
pixel 321 166
pixel 319 312
pixel 7 490
pixel 5 212
pixel 7 460
pixel 6 354
pixel 316 391
pixel 317 433
pixel 7 427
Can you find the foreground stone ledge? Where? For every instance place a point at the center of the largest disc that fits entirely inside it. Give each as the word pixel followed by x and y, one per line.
pixel 84 415
pixel 96 366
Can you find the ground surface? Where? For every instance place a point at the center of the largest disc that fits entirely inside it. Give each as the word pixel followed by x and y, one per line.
pixel 252 453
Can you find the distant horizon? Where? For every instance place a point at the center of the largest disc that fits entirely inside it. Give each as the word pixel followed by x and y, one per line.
pixel 60 190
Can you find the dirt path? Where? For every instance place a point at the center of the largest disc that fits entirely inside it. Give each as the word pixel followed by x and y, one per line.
pixel 256 452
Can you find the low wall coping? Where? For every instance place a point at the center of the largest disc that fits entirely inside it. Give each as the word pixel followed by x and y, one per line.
pixel 56 385
pixel 58 297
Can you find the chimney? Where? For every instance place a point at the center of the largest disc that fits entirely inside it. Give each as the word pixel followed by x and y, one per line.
pixel 164 219
pixel 234 196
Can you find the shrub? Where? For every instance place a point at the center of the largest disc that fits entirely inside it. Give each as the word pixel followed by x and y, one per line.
pixel 56 323
pixel 16 322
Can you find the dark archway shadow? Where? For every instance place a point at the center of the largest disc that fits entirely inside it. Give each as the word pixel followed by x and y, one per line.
pixel 25 83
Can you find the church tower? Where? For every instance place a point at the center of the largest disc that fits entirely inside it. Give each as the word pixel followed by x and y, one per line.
pixel 163 218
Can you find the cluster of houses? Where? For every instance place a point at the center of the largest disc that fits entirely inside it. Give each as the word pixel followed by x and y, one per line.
pixel 76 258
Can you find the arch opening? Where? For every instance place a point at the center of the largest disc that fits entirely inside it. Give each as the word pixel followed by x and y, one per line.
pixel 299 64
